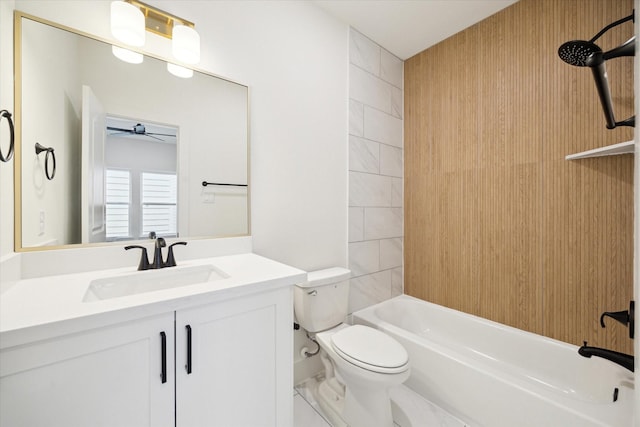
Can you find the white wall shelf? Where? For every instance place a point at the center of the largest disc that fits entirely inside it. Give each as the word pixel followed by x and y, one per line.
pixel 627 147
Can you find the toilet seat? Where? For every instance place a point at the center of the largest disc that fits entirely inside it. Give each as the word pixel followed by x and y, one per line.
pixel 370 349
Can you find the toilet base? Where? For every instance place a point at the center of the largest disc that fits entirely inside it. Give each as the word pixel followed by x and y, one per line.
pixel 331 402
pixel 367 408
pixel 358 408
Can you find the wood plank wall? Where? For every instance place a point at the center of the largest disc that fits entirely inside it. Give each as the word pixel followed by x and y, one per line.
pixel 497 222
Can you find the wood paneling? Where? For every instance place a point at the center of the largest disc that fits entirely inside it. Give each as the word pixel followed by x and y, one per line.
pixel 497 223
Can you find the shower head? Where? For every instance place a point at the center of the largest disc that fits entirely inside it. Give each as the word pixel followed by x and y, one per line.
pixel 578 52
pixel 582 53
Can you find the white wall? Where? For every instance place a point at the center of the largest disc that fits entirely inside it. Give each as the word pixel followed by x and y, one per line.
pixel 6 103
pixel 293 56
pixel 54 99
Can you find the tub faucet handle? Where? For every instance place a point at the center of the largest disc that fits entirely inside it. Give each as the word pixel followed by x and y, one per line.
pixel 626 317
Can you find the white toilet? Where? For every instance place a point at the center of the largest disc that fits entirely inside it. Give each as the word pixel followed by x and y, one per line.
pixel 361 363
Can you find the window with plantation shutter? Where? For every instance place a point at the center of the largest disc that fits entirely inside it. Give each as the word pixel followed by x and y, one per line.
pixel 118 203
pixel 133 212
pixel 159 204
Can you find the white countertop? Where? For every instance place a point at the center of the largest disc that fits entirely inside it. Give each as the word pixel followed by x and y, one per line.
pixel 43 307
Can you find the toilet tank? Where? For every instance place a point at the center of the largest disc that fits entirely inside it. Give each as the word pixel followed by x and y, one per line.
pixel 322 301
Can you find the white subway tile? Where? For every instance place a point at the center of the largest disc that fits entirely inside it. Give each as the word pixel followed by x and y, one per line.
pixel 364 257
pixel 390 253
pixel 391 161
pixel 364 155
pixel 397 106
pixel 356 224
pixel 368 290
pixel 382 127
pixel 369 89
pixel 383 223
pixel 391 68
pixel 376 79
pixel 397 282
pixel 356 118
pixel 397 192
pixel 367 189
pixel 364 53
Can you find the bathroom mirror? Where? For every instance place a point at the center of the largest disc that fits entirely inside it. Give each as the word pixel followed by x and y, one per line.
pixel 74 97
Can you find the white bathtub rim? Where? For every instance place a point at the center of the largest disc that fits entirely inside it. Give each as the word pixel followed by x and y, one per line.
pixel 599 413
pixel 621 374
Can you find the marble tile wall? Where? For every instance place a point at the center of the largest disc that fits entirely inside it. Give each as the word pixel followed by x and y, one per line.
pixel 375 172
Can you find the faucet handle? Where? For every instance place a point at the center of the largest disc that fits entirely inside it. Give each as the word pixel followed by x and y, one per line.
pixel 171 261
pixel 144 259
pixel 626 317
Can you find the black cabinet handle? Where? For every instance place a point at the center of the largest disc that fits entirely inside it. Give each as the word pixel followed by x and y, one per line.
pixel 188 365
pixel 163 339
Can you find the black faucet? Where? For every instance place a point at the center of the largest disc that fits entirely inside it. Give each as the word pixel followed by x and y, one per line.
pixel 157 253
pixel 624 360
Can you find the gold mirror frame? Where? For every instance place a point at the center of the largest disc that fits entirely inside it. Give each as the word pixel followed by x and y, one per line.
pixel 18 122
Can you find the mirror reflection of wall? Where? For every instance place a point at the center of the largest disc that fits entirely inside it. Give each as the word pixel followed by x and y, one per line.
pixel 210 113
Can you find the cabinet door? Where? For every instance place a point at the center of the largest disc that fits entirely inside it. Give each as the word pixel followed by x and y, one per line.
pixel 241 362
pixel 109 376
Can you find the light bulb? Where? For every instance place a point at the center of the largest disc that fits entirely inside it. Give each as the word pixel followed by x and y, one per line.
pixel 179 71
pixel 186 44
pixel 127 23
pixel 127 55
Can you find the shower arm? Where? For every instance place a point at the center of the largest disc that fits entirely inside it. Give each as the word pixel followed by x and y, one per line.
pixel 613 24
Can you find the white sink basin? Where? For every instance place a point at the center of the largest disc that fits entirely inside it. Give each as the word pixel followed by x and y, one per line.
pixel 151 280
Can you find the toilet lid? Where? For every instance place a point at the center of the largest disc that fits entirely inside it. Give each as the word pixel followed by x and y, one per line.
pixel 370 349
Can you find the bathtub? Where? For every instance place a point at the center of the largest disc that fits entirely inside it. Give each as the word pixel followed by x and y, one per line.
pixel 492 375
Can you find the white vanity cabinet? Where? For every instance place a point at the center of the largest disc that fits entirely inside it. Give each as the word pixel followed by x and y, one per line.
pixel 239 372
pixel 69 361
pixel 227 363
pixel 109 376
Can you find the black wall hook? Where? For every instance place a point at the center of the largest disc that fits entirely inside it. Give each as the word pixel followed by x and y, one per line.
pixel 7 115
pixel 625 317
pixel 39 149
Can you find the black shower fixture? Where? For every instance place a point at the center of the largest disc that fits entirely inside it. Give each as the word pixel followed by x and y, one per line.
pixel 582 53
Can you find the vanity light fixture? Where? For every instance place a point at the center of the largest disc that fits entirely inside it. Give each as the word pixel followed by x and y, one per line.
pixel 127 23
pixel 185 40
pixel 186 44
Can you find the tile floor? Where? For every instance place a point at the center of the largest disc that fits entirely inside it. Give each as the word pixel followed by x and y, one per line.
pixel 305 415
pixel 418 411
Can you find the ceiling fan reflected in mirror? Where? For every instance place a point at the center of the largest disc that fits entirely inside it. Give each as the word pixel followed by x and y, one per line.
pixel 139 130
